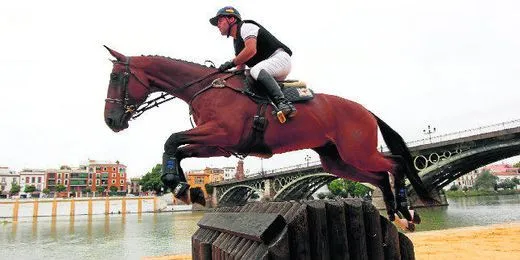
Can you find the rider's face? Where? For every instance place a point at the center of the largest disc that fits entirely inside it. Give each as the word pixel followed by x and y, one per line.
pixel 224 23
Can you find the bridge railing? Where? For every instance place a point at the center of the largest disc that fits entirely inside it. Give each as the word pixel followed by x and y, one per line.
pixel 463 133
pixel 284 169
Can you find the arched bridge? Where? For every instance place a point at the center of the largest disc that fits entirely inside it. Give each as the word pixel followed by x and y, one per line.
pixel 439 160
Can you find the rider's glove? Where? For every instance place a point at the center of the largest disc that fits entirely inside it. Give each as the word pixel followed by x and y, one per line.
pixel 226 65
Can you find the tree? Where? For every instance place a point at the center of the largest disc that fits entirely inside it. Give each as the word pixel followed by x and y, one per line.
pixel 516 180
pixel 485 181
pixel 61 188
pixel 454 187
pixel 322 195
pixel 152 180
pixel 113 189
pixel 46 191
pixel 209 189
pixel 87 190
pixel 516 165
pixel 15 189
pixel 29 189
pixel 343 188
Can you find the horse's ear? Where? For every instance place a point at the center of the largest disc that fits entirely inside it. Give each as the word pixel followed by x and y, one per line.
pixel 117 55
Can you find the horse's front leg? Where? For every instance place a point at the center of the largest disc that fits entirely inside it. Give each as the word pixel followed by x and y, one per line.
pixel 172 174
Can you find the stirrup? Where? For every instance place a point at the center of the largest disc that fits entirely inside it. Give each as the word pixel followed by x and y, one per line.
pixel 281 117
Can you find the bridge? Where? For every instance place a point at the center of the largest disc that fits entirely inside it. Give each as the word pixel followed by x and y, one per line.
pixel 439 159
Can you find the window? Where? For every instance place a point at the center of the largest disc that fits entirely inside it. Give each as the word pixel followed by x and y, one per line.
pixel 105 169
pixel 14 180
pixel 97 182
pixel 59 181
pixel 98 168
pixel 59 175
pixel 121 169
pixel 89 182
pixel 121 175
pixel 3 179
pixel 39 179
pixel 66 175
pixel 122 182
pixel 33 179
pixel 199 180
pixel 66 182
pixel 113 175
pixel 113 169
pixel 113 181
pixel 90 169
pixel 90 175
pixel 26 179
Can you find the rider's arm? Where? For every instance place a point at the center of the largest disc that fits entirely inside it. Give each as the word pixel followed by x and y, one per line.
pixel 247 53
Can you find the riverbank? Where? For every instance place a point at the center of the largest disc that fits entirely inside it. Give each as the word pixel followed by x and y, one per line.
pixel 474 193
pixel 499 241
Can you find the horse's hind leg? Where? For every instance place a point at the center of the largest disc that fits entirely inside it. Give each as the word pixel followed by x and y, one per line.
pixel 400 192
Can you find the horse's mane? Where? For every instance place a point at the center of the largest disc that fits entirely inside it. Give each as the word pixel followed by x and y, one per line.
pixel 173 59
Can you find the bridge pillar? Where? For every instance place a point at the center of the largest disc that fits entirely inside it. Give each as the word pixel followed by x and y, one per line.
pixel 214 198
pixel 268 190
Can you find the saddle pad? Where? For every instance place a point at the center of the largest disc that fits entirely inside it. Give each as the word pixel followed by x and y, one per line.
pixel 298 94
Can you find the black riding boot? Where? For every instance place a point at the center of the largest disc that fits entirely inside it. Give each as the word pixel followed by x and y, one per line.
pixel 276 94
pixel 171 176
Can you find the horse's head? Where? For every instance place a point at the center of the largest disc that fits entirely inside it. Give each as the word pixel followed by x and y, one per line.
pixel 128 89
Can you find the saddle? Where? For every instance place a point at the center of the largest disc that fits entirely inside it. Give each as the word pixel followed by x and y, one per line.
pixel 294 90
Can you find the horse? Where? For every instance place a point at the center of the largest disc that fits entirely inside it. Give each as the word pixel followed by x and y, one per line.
pixel 342 132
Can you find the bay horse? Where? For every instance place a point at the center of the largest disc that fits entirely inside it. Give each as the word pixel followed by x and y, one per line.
pixel 342 132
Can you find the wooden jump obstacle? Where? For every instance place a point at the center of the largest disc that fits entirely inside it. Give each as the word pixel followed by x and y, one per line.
pixel 333 229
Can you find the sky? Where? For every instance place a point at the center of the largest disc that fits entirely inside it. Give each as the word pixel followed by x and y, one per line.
pixel 452 64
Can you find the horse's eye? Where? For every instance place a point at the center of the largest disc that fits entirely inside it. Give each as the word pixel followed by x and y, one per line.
pixel 114 76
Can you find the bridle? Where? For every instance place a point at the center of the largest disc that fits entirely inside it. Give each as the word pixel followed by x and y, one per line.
pixel 122 78
pixel 129 104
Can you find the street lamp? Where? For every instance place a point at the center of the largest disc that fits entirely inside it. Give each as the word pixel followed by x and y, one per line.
pixel 307 158
pixel 429 132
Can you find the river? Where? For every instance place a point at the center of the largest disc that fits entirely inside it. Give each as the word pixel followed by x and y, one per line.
pixel 135 236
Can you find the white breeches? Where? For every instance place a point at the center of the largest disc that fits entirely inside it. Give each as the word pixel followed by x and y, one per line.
pixel 278 65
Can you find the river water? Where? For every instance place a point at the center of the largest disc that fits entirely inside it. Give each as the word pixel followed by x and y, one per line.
pixel 135 236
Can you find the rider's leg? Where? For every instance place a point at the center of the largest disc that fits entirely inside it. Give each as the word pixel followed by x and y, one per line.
pixel 277 66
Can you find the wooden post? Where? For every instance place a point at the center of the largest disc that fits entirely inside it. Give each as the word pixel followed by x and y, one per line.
pixel 15 210
pixel 54 207
pixel 139 205
pixel 72 207
pixel 35 208
pixel 107 206
pixel 155 204
pixel 123 206
pixel 89 207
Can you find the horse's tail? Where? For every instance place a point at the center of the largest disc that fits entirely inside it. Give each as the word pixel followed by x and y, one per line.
pixel 398 147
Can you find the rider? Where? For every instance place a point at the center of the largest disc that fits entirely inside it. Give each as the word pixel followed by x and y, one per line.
pixel 257 48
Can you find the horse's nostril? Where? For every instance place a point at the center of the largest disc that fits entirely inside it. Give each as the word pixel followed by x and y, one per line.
pixel 108 121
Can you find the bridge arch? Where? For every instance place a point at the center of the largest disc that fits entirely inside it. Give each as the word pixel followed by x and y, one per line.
pixel 238 195
pixel 448 170
pixel 303 186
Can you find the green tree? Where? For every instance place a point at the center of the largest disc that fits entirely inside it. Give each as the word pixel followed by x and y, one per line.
pixel 113 189
pixel 454 187
pixel 29 189
pixel 485 181
pixel 516 180
pixel 61 188
pixel 46 191
pixel 87 190
pixel 152 180
pixel 516 165
pixel 343 187
pixel 209 189
pixel 322 195
pixel 15 188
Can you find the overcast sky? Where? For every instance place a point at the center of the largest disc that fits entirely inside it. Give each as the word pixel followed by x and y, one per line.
pixel 451 64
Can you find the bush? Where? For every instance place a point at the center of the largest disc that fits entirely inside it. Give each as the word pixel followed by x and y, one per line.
pixel 322 195
pixel 454 187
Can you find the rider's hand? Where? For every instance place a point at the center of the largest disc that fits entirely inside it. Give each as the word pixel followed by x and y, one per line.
pixel 226 65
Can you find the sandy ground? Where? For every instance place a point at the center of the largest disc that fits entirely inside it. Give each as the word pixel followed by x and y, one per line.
pixel 501 241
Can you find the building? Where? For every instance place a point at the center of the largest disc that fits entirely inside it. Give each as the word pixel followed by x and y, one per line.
pixel 133 186
pixel 34 177
pixel 240 171
pixel 7 179
pixel 103 175
pixel 467 180
pixel 199 178
pixel 93 176
pixel 229 173
pixel 503 171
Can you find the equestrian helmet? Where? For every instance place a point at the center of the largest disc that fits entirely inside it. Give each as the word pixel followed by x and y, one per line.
pixel 225 11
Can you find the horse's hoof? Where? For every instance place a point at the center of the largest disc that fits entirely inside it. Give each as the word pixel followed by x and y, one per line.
pixel 416 218
pixel 197 196
pixel 411 227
